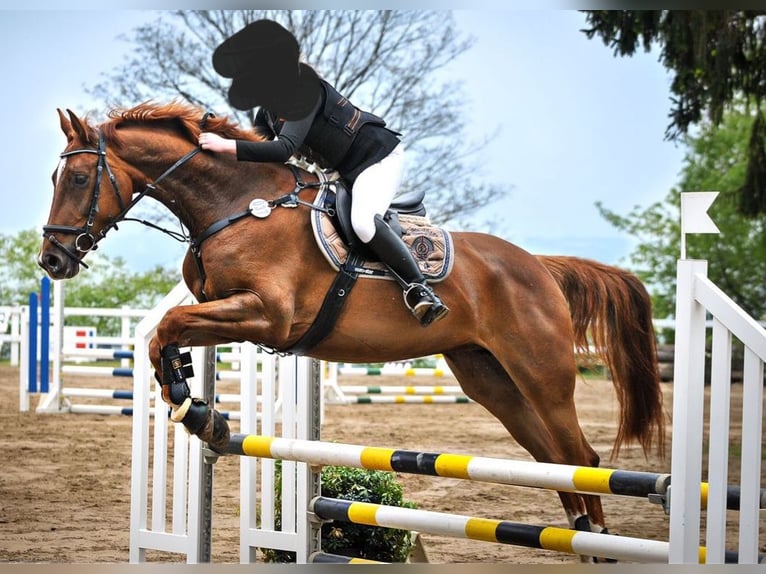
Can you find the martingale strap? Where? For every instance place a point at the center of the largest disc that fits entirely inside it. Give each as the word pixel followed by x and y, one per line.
pixel 195 245
pixel 288 200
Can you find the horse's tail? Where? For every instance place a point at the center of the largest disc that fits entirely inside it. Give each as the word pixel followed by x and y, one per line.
pixel 614 308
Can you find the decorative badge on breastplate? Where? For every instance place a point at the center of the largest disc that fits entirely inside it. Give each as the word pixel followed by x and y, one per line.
pixel 260 208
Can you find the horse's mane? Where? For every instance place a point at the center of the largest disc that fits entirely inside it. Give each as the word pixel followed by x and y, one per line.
pixel 184 118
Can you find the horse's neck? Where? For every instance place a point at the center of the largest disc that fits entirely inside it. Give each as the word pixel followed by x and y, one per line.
pixel 207 188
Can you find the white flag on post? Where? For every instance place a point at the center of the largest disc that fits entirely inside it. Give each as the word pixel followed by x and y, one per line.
pixel 694 216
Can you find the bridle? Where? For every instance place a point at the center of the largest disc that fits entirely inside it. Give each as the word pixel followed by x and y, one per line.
pixel 86 241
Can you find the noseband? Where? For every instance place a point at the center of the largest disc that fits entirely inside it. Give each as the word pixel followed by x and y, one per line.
pixel 86 241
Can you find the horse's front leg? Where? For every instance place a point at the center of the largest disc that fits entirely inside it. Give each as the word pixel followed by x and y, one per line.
pixel 172 370
pixel 235 318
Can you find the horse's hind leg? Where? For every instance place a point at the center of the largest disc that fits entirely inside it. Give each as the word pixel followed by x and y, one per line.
pixel 483 379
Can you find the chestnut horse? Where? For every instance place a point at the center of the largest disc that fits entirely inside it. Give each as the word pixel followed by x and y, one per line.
pixel 510 338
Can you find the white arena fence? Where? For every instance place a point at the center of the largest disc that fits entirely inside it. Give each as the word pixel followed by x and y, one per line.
pixel 10 332
pixel 62 363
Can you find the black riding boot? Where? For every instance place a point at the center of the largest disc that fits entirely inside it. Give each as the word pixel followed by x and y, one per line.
pixel 418 296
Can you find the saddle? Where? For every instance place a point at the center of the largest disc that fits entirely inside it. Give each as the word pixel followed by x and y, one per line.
pixel 346 253
pixel 335 237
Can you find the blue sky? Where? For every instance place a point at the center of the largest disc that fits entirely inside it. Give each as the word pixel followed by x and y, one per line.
pixel 575 124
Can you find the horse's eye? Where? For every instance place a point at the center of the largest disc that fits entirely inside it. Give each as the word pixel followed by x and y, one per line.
pixel 80 179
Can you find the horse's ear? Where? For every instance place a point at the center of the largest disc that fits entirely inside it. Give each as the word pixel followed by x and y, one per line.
pixel 66 125
pixel 78 127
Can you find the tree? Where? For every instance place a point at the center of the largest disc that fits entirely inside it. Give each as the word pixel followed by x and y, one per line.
pixel 386 61
pixel 21 275
pixel 719 60
pixel 110 284
pixel 106 284
pixel 716 160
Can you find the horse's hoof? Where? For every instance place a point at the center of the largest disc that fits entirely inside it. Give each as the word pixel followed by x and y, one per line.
pixel 582 524
pixel 215 432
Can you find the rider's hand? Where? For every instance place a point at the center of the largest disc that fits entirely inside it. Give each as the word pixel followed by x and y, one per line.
pixel 214 142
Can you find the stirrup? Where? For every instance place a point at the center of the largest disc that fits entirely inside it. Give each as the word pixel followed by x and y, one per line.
pixel 424 304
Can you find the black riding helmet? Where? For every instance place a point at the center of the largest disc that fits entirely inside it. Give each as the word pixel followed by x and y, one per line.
pixel 263 61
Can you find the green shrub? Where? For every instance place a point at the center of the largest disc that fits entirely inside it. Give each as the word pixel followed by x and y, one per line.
pixel 357 540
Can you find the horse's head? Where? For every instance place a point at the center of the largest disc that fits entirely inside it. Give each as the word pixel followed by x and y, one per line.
pixel 93 190
pixel 86 199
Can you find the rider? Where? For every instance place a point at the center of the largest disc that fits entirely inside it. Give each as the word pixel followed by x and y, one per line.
pixel 297 109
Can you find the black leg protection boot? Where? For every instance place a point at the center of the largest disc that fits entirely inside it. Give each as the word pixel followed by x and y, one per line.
pixel 176 368
pixel 195 414
pixel 418 296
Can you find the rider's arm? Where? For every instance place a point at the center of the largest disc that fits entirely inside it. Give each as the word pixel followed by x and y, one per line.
pixel 280 149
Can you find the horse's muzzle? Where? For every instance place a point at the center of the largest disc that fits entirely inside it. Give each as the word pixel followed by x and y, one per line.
pixel 57 264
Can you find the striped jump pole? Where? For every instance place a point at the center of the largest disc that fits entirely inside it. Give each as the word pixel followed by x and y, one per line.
pixel 97 353
pixel 491 530
pixel 563 478
pixel 623 548
pixel 400 389
pixel 81 409
pixel 402 399
pixel 560 477
pixel 326 558
pixel 394 371
pixel 107 410
pixel 86 392
pixel 224 357
pixel 97 371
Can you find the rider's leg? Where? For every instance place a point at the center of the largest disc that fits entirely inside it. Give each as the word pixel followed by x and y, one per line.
pixel 419 297
pixel 373 191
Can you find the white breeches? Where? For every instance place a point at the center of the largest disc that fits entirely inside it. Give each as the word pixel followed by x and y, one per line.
pixel 373 192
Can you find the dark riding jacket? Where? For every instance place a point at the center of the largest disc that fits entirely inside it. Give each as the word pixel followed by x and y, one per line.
pixel 335 134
